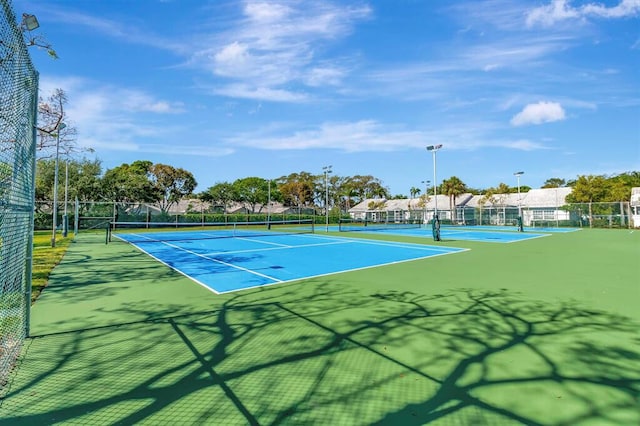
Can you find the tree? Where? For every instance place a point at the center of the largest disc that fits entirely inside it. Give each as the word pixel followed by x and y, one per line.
pixel 588 189
pixel 129 183
pixel 413 192
pixel 171 184
pixel 221 194
pixel 554 183
pixel 617 190
pixel 297 189
pixel 453 187
pixel 346 192
pixel 51 114
pixel 84 180
pixel 367 186
pixel 630 179
pixel 496 196
pixel 619 186
pixel 252 191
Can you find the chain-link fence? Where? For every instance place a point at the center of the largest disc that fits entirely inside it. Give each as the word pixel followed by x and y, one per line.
pixel 91 215
pixel 580 215
pixel 18 110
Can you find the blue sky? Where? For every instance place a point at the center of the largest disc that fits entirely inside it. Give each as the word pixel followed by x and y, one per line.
pixel 231 89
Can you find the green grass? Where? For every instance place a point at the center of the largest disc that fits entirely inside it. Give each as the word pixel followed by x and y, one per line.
pixel 544 331
pixel 45 258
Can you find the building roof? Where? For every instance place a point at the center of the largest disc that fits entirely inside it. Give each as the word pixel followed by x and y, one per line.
pixel 535 198
pixel 546 197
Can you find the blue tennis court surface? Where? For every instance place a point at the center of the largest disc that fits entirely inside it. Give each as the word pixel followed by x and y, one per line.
pixel 230 264
pixel 453 233
pixel 512 228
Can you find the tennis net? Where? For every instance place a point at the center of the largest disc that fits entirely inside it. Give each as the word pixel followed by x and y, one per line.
pixel 141 232
pixel 348 225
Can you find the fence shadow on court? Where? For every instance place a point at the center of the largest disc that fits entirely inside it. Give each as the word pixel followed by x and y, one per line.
pixel 335 354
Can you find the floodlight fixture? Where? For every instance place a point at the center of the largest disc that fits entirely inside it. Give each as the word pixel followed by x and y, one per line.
pixel 30 22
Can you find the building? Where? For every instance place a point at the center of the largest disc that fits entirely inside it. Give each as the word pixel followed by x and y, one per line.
pixel 634 204
pixel 537 206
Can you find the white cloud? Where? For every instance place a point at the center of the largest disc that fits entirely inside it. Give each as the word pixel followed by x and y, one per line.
pixel 266 12
pixel 321 76
pixel 247 91
pixel 277 43
pixel 232 59
pixel 113 118
pixel 359 136
pixel 562 10
pixel 137 101
pixel 542 112
pixel 522 145
pixel 128 32
pixel 374 136
pixel 623 9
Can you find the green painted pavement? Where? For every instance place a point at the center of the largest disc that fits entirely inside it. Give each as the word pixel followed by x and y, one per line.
pixel 537 332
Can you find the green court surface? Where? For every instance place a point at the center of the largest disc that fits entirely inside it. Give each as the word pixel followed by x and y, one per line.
pixel 545 331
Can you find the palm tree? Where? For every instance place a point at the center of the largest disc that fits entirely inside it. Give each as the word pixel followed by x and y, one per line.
pixel 414 192
pixel 453 187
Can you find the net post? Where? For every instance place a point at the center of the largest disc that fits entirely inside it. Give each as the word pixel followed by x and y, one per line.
pixel 108 233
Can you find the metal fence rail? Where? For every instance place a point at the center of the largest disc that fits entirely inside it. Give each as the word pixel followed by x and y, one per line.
pixel 18 111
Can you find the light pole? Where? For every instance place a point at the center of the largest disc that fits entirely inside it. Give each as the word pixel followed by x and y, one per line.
pixel 65 217
pixel 269 202
pixel 426 196
pixel 55 185
pixel 434 149
pixel 326 170
pixel 517 175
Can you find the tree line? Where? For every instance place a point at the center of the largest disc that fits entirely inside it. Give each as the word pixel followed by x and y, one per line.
pixel 164 186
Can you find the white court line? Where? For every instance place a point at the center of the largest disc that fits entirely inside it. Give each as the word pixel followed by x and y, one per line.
pixel 261 242
pixel 395 262
pixel 208 258
pixel 391 244
pixel 277 248
pixel 332 241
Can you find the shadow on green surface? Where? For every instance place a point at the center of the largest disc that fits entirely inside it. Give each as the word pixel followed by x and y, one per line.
pixel 271 357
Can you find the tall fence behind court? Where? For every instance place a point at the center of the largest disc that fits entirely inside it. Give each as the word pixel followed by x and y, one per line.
pixel 18 111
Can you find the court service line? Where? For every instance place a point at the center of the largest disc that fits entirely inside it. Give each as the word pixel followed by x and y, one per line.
pixel 262 242
pixel 213 260
pixel 393 244
pixel 361 268
pixel 184 274
pixel 276 248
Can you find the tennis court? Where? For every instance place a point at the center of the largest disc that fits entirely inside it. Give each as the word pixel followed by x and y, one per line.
pixel 544 332
pixel 506 228
pixel 224 260
pixel 447 233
